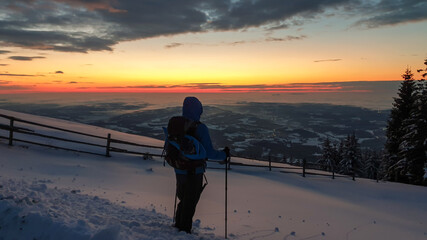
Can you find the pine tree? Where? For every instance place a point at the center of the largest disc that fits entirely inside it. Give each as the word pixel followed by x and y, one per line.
pixel 327 159
pixel 423 71
pixel 408 148
pixel 351 162
pixel 338 156
pixel 345 162
pixel 417 134
pixel 383 169
pixel 372 163
pixel 399 125
pixel 422 124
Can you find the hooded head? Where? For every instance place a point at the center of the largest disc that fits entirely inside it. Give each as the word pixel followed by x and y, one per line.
pixel 192 108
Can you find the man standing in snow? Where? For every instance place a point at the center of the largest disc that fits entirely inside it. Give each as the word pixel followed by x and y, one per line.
pixel 189 183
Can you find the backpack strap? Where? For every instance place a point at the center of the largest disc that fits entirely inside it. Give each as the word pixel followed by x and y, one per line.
pixel 192 128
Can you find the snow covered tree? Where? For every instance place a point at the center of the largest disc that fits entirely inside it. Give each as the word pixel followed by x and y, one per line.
pixel 398 126
pixel 423 71
pixel 371 164
pixel 415 141
pixel 327 159
pixel 422 123
pixel 338 156
pixel 351 162
pixel 422 127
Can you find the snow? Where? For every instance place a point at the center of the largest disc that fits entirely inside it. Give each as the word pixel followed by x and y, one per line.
pixel 55 194
pixel 312 142
pixel 34 211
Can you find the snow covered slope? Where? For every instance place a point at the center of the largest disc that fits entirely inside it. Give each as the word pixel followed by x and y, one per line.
pixel 56 194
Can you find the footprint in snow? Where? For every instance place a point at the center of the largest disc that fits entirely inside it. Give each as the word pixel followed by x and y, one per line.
pixel 291 234
pixel 197 223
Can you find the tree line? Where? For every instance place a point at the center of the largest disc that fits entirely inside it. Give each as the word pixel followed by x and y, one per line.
pixel 347 157
pixel 404 156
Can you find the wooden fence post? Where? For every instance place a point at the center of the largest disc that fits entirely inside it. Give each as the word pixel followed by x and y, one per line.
pixel 353 173
pixel 376 174
pixel 11 132
pixel 269 163
pixel 107 153
pixel 333 172
pixel 303 167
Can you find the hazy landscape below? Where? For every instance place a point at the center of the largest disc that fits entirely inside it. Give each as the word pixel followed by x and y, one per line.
pixel 252 129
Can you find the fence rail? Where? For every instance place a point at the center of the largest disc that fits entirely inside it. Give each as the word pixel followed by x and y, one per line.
pixel 109 140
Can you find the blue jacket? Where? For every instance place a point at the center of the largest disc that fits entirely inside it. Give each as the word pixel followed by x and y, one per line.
pixel 193 109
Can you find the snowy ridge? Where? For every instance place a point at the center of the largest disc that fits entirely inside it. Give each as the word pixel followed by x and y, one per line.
pixel 55 194
pixel 33 211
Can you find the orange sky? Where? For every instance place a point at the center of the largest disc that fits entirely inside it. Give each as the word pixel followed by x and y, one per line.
pixel 328 48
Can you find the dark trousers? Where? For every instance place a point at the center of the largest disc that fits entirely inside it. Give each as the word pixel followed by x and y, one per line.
pixel 188 189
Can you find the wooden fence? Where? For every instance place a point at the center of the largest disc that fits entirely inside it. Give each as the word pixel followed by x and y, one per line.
pixel 107 147
pixel 305 169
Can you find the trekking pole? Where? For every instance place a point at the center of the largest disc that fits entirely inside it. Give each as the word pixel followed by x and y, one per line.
pixel 174 207
pixel 226 183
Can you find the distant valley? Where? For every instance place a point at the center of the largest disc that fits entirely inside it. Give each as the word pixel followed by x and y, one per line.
pixel 257 130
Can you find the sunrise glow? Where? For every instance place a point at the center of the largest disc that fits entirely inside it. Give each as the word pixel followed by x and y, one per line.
pixel 115 49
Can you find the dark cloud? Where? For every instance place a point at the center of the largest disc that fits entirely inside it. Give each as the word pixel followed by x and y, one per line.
pixel 279 27
pixel 173 45
pixel 18 75
pixel 138 86
pixel 97 25
pixel 75 82
pixel 285 39
pixel 59 72
pixel 279 88
pixel 4 51
pixel 51 40
pixel 393 12
pixel 94 5
pixel 328 60
pixel 243 14
pixel 24 58
pixel 6 85
pixel 3 65
pixel 2 82
pixel 237 43
pixel 15 87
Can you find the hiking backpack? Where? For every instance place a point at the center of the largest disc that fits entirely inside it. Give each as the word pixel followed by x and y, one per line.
pixel 182 150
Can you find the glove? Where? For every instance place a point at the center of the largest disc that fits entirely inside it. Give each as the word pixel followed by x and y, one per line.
pixel 227 152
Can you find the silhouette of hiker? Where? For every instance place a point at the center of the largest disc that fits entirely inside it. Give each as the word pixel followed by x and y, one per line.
pixel 189 183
